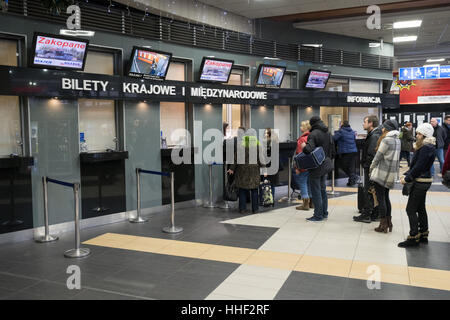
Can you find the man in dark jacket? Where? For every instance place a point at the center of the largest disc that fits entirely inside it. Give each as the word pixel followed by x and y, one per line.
pixel 345 138
pixel 407 140
pixel 370 143
pixel 446 127
pixel 441 136
pixel 319 137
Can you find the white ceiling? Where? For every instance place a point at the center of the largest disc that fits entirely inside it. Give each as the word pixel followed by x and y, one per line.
pixel 269 8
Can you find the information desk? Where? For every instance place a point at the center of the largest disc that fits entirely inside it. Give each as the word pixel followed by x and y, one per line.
pixel 102 183
pixel 16 212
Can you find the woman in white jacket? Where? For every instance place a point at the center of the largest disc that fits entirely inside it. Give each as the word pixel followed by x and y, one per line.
pixel 384 171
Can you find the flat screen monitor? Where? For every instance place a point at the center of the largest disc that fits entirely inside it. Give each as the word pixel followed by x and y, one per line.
pixel 149 64
pixel 270 76
pixel 317 79
pixel 215 70
pixel 58 52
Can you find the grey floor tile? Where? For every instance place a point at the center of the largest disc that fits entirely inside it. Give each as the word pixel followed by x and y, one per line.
pixel 15 283
pixel 434 255
pixel 88 294
pixel 51 290
pixel 4 293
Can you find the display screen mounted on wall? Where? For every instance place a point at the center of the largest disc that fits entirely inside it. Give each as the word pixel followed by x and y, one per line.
pixel 215 70
pixel 149 64
pixel 58 52
pixel 317 79
pixel 270 76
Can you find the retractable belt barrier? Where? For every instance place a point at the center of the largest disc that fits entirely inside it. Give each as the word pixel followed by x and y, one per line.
pixel 172 228
pixel 72 253
pixel 210 203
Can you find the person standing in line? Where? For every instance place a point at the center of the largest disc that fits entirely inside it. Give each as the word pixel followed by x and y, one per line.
pixel 247 174
pixel 319 137
pixel 345 138
pixel 270 138
pixel 419 175
pixel 407 140
pixel 446 127
pixel 302 175
pixel 441 137
pixel 384 171
pixel 370 124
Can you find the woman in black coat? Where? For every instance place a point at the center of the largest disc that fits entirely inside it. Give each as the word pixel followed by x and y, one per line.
pixel 419 175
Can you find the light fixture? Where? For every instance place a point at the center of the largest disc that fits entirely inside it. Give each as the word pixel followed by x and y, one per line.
pixel 405 39
pixel 431 65
pixel 407 24
pixel 314 45
pixel 374 44
pixel 270 58
pixel 76 33
pixel 436 60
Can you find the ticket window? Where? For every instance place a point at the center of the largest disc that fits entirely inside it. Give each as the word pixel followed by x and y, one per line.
pixel 10 121
pixel 97 118
pixel 282 114
pixel 173 114
pixel 232 113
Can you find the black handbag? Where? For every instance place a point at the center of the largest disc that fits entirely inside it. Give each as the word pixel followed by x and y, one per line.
pixel 231 192
pixel 407 188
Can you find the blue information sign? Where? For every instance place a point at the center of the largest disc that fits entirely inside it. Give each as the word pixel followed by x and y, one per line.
pixel 445 72
pixel 418 73
pixel 406 74
pixel 81 136
pixel 432 72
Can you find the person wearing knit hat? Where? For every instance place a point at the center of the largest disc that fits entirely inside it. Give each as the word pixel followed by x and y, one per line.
pixel 419 174
pixel 384 171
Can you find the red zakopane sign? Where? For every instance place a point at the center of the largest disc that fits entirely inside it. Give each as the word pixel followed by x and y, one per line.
pixel 424 91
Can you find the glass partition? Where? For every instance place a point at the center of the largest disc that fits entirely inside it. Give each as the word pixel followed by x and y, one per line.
pixel 10 124
pixel 231 113
pixel 173 114
pixel 97 123
pixel 282 114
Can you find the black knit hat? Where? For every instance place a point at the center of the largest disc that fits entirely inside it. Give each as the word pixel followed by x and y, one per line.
pixel 390 125
pixel 314 120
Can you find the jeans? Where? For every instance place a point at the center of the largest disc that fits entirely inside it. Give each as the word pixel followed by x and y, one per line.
pixel 243 199
pixel 347 161
pixel 407 156
pixel 440 156
pixel 384 204
pixel 416 210
pixel 303 184
pixel 319 196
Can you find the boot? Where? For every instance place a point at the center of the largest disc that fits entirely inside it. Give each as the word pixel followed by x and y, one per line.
pixel 362 218
pixel 424 236
pixel 304 206
pixel 411 241
pixel 311 205
pixel 374 216
pixel 389 222
pixel 383 227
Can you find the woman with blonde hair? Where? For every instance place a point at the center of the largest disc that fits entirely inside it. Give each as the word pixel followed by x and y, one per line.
pixel 384 170
pixel 302 175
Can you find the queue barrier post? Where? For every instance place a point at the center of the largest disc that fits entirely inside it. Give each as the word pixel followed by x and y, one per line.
pixel 172 228
pixel 78 252
pixel 46 237
pixel 289 179
pixel 332 192
pixel 138 218
pixel 225 204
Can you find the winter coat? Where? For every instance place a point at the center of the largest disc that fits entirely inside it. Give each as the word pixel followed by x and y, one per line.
pixel 447 132
pixel 319 137
pixel 300 140
pixel 423 158
pixel 346 140
pixel 370 144
pixel 247 175
pixel 446 163
pixel 440 135
pixel 407 139
pixel 386 163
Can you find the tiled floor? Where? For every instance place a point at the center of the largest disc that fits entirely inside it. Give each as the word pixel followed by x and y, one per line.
pixel 275 254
